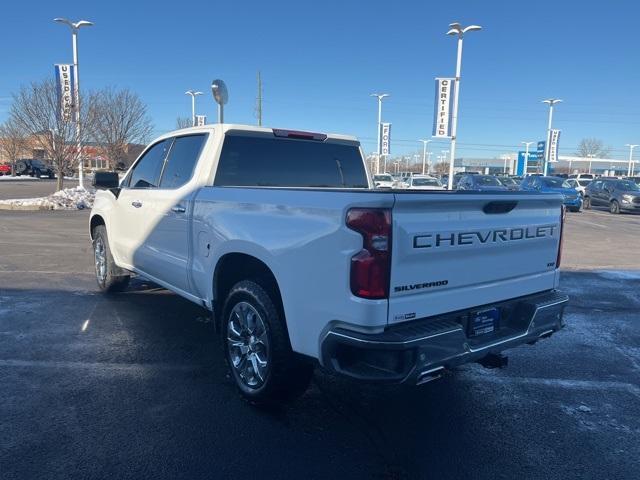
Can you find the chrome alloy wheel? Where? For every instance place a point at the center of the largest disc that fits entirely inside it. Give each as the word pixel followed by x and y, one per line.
pixel 100 255
pixel 248 344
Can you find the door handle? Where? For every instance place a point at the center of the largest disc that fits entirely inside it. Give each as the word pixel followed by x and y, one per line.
pixel 178 209
pixel 136 203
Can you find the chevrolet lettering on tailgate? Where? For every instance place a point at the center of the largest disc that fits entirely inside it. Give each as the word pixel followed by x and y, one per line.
pixel 501 235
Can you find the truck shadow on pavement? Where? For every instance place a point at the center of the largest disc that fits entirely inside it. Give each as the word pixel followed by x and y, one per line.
pixel 134 385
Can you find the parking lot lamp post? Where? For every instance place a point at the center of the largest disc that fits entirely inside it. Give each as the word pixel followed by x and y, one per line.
pixel 630 169
pixel 459 31
pixel 424 154
pixel 551 102
pixel 526 156
pixel 379 96
pixel 590 155
pixel 193 95
pixel 76 94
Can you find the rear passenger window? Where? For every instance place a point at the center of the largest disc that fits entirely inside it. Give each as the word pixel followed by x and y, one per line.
pixel 182 160
pixel 267 161
pixel 146 173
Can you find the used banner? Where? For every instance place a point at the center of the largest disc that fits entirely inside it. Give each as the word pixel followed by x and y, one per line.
pixel 443 107
pixel 385 139
pixel 553 145
pixel 65 86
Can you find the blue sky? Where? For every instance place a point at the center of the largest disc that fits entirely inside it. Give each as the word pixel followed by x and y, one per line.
pixel 320 61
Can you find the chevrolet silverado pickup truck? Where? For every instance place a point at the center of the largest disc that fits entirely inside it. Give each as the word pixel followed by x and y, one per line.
pixel 282 236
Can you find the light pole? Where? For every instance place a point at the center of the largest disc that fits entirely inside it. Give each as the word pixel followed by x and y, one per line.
pixel 457 29
pixel 193 95
pixel 379 96
pixel 429 162
pixel 526 156
pixel 76 94
pixel 424 153
pixel 591 156
pixel 551 102
pixel 631 147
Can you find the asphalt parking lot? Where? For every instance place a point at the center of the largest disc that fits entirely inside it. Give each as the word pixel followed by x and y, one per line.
pixel 30 188
pixel 133 385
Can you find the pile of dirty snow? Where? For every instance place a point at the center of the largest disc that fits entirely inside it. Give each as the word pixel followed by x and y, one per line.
pixel 75 198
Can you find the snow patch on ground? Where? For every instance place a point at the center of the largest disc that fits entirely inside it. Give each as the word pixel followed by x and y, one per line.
pixel 620 274
pixel 8 178
pixel 76 198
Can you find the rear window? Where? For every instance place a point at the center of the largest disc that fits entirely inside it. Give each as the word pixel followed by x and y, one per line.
pixel 382 178
pixel 426 182
pixel 266 161
pixel 487 180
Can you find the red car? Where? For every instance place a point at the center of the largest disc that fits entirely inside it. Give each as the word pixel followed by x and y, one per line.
pixel 5 169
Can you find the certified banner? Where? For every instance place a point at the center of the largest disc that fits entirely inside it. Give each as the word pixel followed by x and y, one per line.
pixel 201 120
pixel 443 107
pixel 385 139
pixel 65 87
pixel 553 145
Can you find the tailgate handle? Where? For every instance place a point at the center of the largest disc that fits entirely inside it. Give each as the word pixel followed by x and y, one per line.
pixel 499 207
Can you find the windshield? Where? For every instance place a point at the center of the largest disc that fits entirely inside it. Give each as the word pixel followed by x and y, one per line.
pixel 554 182
pixel 382 178
pixel 584 183
pixel 486 180
pixel 425 182
pixel 507 181
pixel 628 185
pixel 37 163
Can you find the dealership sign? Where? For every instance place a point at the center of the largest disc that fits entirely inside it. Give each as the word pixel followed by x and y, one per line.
pixel 65 87
pixel 385 139
pixel 443 108
pixel 553 145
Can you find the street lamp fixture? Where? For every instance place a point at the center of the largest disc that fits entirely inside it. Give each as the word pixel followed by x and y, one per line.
pixel 526 156
pixel 193 95
pixel 459 31
pixel 75 26
pixel 631 169
pixel 424 153
pixel 380 97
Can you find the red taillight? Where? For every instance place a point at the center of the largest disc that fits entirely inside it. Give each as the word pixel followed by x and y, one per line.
pixel 563 214
pixel 371 266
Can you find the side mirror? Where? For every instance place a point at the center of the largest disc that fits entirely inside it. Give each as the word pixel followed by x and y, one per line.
pixel 106 180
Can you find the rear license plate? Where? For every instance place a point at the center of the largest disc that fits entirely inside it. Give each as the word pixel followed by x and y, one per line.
pixel 484 321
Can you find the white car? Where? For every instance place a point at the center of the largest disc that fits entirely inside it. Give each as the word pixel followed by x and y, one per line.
pixel 578 184
pixel 383 180
pixel 304 262
pixel 424 182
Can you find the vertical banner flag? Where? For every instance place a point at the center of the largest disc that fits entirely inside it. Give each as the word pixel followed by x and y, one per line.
pixel 385 138
pixel 65 87
pixel 442 107
pixel 553 145
pixel 201 120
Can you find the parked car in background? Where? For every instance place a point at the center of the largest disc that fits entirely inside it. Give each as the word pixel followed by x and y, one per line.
pixel 583 176
pixel 617 195
pixel 383 180
pixel 509 182
pixel 424 182
pixel 634 179
pixel 480 183
pixel 33 168
pixel 5 169
pixel 571 199
pixel 578 185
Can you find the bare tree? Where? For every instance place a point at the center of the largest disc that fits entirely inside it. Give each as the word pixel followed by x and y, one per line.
pixel 117 118
pixel 184 122
pixel 35 111
pixel 441 168
pixel 13 141
pixel 592 147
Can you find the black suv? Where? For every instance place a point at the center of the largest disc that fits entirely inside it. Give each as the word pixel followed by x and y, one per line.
pixel 618 195
pixel 33 168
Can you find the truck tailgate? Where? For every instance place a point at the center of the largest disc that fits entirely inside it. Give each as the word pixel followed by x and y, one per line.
pixel 457 251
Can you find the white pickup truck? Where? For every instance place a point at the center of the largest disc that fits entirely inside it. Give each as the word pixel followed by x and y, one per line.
pixel 281 235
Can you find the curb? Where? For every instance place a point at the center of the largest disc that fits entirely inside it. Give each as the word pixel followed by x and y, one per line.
pixel 9 206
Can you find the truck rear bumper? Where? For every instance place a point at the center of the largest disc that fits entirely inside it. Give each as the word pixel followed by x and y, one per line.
pixel 417 351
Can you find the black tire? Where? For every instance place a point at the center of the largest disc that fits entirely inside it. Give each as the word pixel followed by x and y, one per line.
pixel 587 203
pixel 286 375
pixel 614 207
pixel 113 278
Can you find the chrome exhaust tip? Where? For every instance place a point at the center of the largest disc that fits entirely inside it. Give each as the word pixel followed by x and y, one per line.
pixel 430 375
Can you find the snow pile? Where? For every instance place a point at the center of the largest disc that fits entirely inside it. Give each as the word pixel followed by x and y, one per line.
pixel 8 178
pixel 76 198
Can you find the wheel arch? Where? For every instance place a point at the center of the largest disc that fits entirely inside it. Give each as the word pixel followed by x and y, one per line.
pixel 94 222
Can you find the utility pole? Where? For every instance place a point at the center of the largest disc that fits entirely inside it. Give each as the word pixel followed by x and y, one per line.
pixel 526 157
pixel 424 154
pixel 379 96
pixel 259 100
